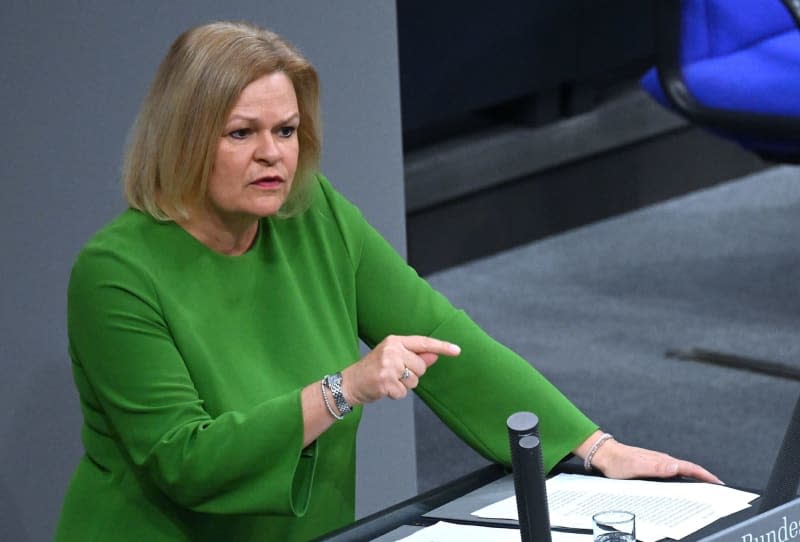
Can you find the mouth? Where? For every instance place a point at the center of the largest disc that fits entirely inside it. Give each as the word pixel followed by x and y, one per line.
pixel 268 182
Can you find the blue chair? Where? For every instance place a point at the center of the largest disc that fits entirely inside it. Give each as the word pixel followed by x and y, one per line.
pixel 733 67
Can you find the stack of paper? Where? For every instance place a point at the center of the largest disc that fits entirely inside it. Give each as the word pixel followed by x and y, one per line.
pixel 663 509
pixel 454 532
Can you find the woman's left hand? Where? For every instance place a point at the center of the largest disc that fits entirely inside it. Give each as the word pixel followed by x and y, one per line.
pixel 617 460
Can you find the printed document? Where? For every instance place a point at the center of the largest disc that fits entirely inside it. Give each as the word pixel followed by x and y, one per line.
pixel 663 509
pixel 454 532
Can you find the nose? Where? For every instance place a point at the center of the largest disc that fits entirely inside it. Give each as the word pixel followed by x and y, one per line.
pixel 267 150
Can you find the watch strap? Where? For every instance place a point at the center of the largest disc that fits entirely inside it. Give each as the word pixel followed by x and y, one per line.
pixel 334 383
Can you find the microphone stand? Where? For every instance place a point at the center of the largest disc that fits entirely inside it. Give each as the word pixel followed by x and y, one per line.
pixel 529 480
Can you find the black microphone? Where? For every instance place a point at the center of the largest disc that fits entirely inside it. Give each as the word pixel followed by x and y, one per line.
pixel 529 480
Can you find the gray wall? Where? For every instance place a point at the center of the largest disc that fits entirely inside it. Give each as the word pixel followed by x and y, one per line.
pixel 74 74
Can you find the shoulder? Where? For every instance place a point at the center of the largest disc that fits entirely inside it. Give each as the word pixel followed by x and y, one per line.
pixel 333 219
pixel 129 232
pixel 324 193
pixel 130 240
pixel 330 201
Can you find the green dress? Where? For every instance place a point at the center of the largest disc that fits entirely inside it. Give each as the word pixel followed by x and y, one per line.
pixel 189 366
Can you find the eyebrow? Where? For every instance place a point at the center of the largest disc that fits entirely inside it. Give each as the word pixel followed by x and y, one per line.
pixel 290 118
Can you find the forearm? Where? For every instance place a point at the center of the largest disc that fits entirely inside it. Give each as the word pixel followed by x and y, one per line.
pixel 316 417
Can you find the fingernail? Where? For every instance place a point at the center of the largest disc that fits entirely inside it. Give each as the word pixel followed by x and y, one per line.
pixel 455 349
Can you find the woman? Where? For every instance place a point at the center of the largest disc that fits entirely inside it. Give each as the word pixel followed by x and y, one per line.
pixel 213 326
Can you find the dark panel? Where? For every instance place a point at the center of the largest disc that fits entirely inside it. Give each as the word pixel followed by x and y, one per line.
pixel 534 207
pixel 615 38
pixel 464 65
pixel 456 58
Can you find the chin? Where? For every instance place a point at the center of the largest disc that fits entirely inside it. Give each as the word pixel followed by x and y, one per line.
pixel 267 208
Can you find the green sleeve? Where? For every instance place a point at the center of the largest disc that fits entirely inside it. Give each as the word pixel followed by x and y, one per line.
pixel 132 374
pixel 475 392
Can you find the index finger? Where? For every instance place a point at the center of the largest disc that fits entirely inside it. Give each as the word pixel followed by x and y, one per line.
pixel 692 470
pixel 420 344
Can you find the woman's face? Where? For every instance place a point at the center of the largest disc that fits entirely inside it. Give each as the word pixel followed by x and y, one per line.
pixel 257 152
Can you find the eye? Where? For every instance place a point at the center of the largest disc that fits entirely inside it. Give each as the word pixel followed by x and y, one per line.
pixel 287 131
pixel 241 133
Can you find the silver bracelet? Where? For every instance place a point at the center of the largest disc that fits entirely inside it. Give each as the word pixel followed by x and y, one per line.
pixel 587 463
pixel 327 404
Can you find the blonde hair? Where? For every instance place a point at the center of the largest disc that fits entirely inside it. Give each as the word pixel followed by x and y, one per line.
pixel 172 145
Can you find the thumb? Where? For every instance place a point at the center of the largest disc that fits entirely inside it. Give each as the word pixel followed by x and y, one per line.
pixel 428 357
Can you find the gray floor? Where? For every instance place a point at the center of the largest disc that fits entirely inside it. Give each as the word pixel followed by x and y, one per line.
pixel 595 309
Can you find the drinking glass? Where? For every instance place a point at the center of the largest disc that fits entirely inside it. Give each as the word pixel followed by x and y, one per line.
pixel 614 526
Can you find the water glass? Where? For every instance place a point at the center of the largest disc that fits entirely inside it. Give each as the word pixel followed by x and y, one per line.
pixel 614 526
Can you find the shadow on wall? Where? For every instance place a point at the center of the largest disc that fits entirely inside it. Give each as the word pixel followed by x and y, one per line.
pixel 39 450
pixel 11 527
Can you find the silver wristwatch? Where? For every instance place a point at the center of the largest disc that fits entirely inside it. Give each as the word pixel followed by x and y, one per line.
pixel 334 383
